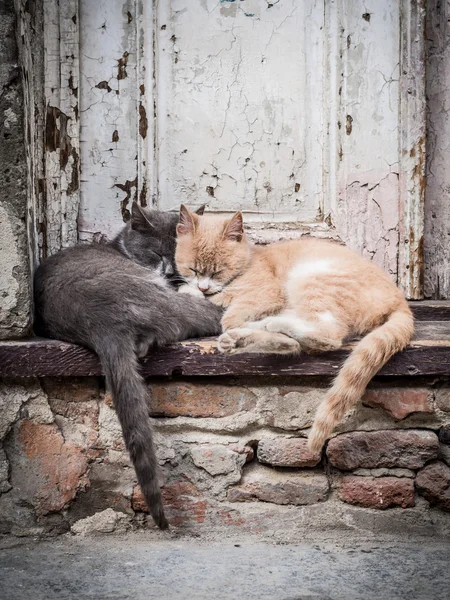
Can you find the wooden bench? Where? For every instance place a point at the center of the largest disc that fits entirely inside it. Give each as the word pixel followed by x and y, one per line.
pixel 428 354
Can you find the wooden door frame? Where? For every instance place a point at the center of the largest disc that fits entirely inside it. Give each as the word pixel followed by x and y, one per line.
pixel 412 148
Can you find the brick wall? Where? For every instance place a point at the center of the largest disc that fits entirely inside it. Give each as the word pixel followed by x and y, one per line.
pixel 232 454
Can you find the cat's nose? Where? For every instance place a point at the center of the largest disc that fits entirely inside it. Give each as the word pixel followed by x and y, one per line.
pixel 203 285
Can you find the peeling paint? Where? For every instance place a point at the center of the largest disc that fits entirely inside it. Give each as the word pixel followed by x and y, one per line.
pixel 103 85
pixel 348 124
pixel 122 66
pixel 247 138
pixel 248 125
pixel 363 73
pixel 110 95
pixel 412 128
pixel 131 195
pixel 143 123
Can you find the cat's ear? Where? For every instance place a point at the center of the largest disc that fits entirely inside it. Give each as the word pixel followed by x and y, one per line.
pixel 187 221
pixel 234 229
pixel 200 210
pixel 139 219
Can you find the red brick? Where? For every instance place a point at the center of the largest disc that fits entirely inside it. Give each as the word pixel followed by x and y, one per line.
pixel 377 492
pixel 409 449
pixel 280 487
pixel 247 450
pixel 231 518
pixel 53 468
pixel 433 483
pixel 287 452
pixel 71 389
pixel 399 402
pixel 199 400
pixel 183 503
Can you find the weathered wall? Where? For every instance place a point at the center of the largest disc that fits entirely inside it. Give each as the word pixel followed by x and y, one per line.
pixel 232 455
pixel 308 116
pixel 437 207
pixel 15 302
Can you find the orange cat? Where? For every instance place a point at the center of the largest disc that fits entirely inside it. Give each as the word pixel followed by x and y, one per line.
pixel 294 296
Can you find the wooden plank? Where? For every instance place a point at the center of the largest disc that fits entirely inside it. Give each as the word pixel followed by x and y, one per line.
pixel 61 85
pixel 431 310
pixel 437 213
pixel 412 147
pixel 30 34
pixel 426 331
pixel 40 358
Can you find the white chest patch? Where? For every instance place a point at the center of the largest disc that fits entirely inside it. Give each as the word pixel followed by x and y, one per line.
pixel 303 270
pixel 327 317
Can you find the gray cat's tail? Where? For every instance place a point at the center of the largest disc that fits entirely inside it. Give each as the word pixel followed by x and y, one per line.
pixel 129 393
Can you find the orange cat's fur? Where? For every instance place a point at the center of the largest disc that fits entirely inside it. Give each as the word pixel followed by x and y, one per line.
pixel 306 295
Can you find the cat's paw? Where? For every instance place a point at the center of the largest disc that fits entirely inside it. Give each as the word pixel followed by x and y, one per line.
pixel 191 290
pixel 226 343
pixel 232 341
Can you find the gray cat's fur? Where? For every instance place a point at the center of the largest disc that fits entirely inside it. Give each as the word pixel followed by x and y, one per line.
pixel 114 299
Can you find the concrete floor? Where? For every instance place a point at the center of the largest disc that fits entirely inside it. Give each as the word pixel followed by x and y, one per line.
pixel 135 567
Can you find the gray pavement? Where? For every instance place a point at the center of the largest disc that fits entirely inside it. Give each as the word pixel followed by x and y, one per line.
pixel 136 567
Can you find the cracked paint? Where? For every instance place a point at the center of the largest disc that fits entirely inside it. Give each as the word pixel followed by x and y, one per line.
pixel 247 126
pixel 287 110
pixel 112 116
pixel 61 144
pixel 364 93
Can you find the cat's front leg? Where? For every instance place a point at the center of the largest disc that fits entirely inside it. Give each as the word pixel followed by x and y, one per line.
pixel 220 299
pixel 233 319
pixel 249 308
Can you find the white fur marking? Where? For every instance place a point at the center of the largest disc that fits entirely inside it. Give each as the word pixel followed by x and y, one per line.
pixel 189 289
pixel 327 317
pixel 292 327
pixel 303 270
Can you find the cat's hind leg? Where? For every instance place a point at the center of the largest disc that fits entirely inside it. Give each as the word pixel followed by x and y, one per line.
pixel 238 341
pixel 311 331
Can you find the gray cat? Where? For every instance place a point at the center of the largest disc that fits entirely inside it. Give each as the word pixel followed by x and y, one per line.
pixel 119 299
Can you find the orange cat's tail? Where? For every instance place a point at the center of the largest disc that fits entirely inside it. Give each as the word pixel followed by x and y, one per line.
pixel 369 355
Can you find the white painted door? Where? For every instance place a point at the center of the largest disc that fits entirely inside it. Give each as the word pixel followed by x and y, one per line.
pixel 307 115
pixel 238 88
